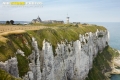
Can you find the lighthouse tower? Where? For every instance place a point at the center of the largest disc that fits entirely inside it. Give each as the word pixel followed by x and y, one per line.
pixel 67 19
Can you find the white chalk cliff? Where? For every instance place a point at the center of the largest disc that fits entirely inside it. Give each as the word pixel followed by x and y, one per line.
pixel 72 60
pixel 34 73
pixel 10 66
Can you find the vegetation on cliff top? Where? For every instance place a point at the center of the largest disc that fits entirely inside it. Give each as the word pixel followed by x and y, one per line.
pixel 54 35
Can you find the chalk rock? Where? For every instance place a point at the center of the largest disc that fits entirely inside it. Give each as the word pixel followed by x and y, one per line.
pixel 10 66
pixel 20 52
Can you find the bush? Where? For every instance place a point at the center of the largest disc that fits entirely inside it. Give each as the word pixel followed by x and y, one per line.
pixel 7 22
pixel 11 22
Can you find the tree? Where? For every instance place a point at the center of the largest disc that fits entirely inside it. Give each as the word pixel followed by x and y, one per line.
pixel 11 22
pixel 7 22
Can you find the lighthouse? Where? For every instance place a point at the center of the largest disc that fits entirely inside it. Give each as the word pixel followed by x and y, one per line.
pixel 67 19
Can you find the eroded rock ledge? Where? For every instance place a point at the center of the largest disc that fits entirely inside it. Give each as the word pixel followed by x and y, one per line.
pixel 115 65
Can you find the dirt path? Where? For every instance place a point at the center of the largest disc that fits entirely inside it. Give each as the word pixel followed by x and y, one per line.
pixel 7 28
pixel 10 29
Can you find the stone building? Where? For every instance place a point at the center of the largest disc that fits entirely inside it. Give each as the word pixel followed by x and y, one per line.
pixel 38 20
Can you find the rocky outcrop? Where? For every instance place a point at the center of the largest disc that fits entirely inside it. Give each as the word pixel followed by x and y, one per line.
pixel 115 65
pixel 10 66
pixel 73 59
pixel 20 52
pixel 34 73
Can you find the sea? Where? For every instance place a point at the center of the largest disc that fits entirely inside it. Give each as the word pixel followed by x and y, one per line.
pixel 112 27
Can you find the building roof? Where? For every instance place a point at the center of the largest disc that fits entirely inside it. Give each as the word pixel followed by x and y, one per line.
pixel 38 19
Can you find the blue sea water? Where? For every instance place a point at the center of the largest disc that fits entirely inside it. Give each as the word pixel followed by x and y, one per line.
pixel 114 29
pixel 115 77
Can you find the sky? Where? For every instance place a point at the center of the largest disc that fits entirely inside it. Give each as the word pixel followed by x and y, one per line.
pixel 77 10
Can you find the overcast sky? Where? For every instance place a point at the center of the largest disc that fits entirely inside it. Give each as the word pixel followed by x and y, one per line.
pixel 77 10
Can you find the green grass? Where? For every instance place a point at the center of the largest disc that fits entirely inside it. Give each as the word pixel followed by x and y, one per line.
pixel 22 65
pixel 53 24
pixel 5 52
pixel 5 76
pixel 101 64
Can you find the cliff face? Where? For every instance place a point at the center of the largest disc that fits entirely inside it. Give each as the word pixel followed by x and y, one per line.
pixel 73 60
pixel 69 60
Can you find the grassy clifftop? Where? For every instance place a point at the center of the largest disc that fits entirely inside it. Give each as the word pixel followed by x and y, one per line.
pixel 22 41
pixel 53 35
